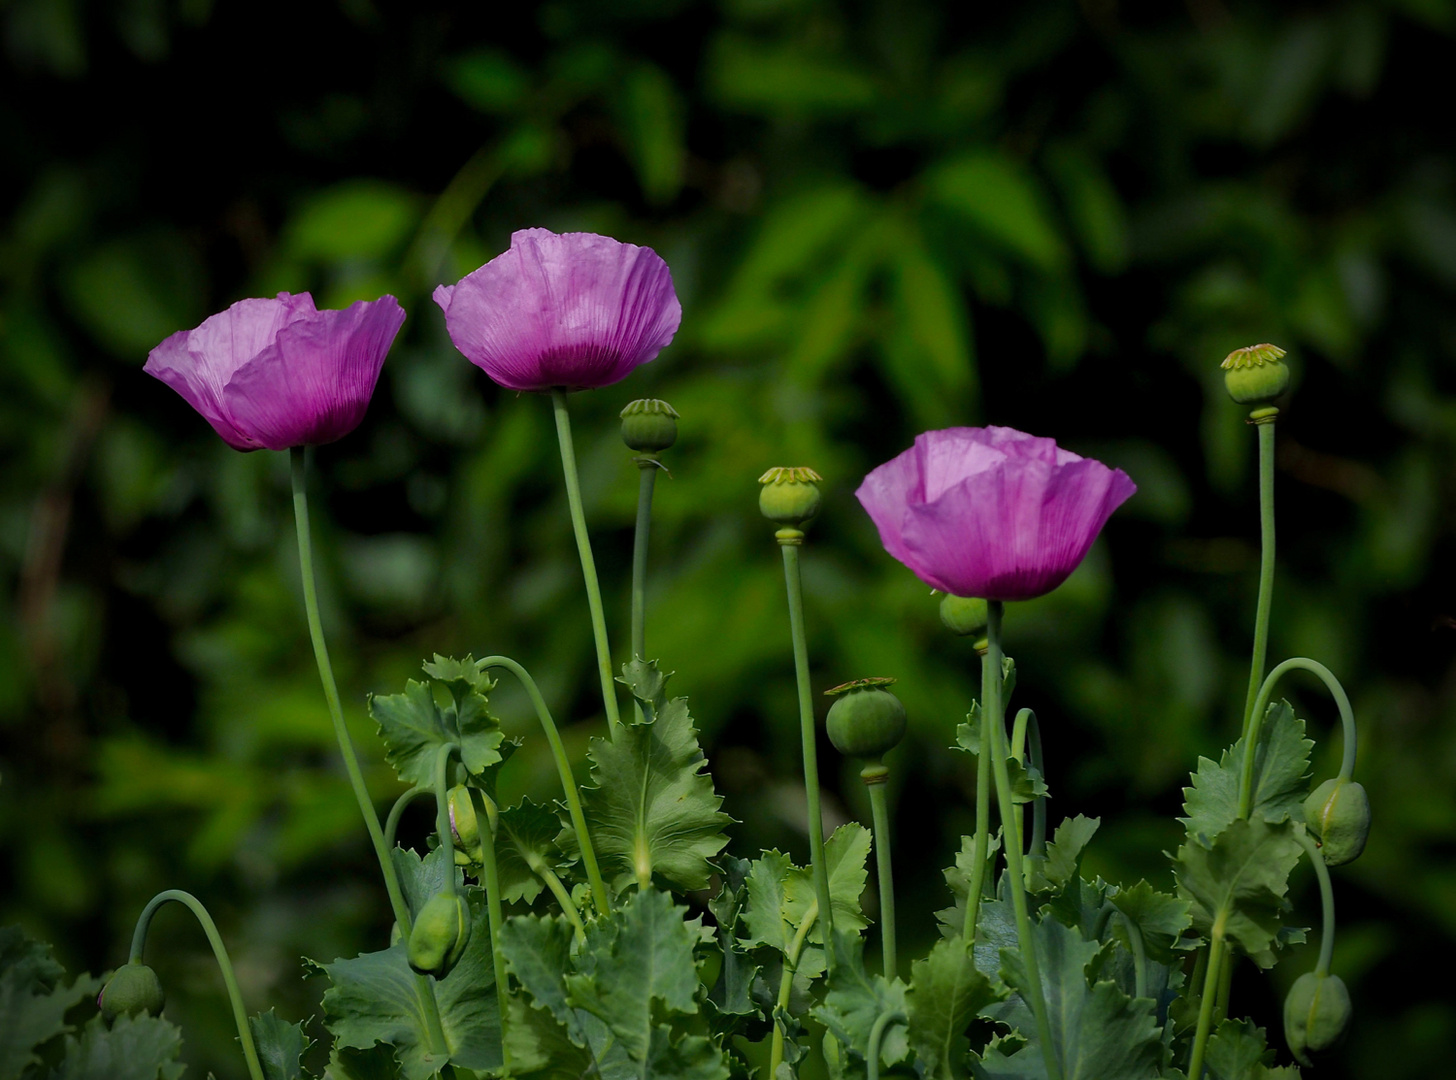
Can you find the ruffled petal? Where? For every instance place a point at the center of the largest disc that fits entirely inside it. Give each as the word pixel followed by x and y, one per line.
pixel 313 384
pixel 187 373
pixel 575 310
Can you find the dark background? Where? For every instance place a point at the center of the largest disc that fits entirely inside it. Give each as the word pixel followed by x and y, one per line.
pixel 881 218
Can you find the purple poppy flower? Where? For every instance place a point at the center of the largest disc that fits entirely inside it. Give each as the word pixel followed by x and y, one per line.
pixel 281 373
pixel 575 310
pixel 991 512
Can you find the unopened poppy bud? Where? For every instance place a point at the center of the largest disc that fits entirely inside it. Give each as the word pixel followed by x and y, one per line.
pixel 1338 815
pixel 134 989
pixel 866 720
pixel 440 935
pixel 1316 1014
pixel 649 425
pixel 789 496
pixel 465 824
pixel 1255 375
pixel 964 615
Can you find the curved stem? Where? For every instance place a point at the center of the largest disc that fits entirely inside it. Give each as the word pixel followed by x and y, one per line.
pixel 1327 902
pixel 880 815
pixel 877 1035
pixel 588 563
pixel 1139 957
pixel 558 890
pixel 563 769
pixel 1038 805
pixel 442 812
pixel 786 986
pixel 647 471
pixel 1261 705
pixel 1266 565
pixel 789 541
pixel 490 877
pixel 299 470
pixel 995 721
pixel 1216 954
pixel 983 807
pixel 391 823
pixel 219 950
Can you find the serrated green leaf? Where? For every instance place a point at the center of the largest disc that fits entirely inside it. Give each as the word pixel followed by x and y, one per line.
pixel 855 999
pixel 375 998
pixel 1281 775
pixel 538 950
pixel 1063 856
pixel 1027 782
pixel 422 877
pixel 637 965
pixel 376 1063
pixel 1237 886
pixel 132 1048
pixel 525 842
pixel 414 726
pixel 33 999
pixel 958 878
pixel 1238 1050
pixel 539 1047
pixel 281 1045
pixel 732 995
pixel 652 809
pixel 1097 1030
pixel 1159 916
pixel 780 894
pixel 946 992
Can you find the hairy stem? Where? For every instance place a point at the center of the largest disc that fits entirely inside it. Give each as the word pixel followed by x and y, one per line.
pixel 588 563
pixel 219 950
pixel 563 770
pixel 789 541
pixel 995 721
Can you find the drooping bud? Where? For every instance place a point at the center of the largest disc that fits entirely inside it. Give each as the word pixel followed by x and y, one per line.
pixel 440 935
pixel 1316 1014
pixel 465 810
pixel 134 989
pixel 964 615
pixel 789 496
pixel 1338 815
pixel 866 720
pixel 649 425
pixel 1255 374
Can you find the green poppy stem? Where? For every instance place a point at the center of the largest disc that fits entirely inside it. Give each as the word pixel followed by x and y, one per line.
pixel 786 986
pixel 563 770
pixel 877 1036
pixel 588 563
pixel 974 889
pixel 1327 902
pixel 219 950
pixel 391 823
pixel 1261 705
pixel 490 878
pixel 298 461
pixel 789 541
pixel 647 480
pixel 995 721
pixel 1211 976
pixel 874 777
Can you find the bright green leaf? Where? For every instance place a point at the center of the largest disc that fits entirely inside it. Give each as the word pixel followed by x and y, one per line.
pixel 946 993
pixel 1064 854
pixel 1281 775
pixel 1237 886
pixel 414 726
pixel 525 845
pixel 854 1000
pixel 281 1045
pixel 1160 917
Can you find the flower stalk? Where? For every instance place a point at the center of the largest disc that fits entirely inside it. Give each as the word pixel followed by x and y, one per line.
pixel 984 783
pixel 219 951
pixel 874 777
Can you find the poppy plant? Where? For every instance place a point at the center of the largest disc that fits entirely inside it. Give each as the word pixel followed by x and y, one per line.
pixel 991 512
pixel 571 311
pixel 280 373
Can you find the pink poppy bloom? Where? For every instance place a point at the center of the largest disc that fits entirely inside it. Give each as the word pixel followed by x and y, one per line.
pixel 574 310
pixel 279 373
pixel 991 512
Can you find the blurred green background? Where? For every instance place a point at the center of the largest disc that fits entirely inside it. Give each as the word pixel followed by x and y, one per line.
pixel 882 216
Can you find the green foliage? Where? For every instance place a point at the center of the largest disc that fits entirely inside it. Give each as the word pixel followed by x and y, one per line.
pixel 34 999
pixel 854 1000
pixel 1097 1030
pixel 652 809
pixel 525 841
pixel 414 725
pixel 946 992
pixel 281 1045
pixel 781 895
pixel 132 1048
pixel 1063 855
pixel 1236 1051
pixel 1237 886
pixel 1280 781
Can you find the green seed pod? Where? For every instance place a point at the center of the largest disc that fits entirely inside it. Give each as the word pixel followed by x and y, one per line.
pixel 789 496
pixel 1255 375
pixel 1316 1014
pixel 964 615
pixel 1338 815
pixel 134 989
pixel 440 935
pixel 866 720
pixel 466 810
pixel 649 425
